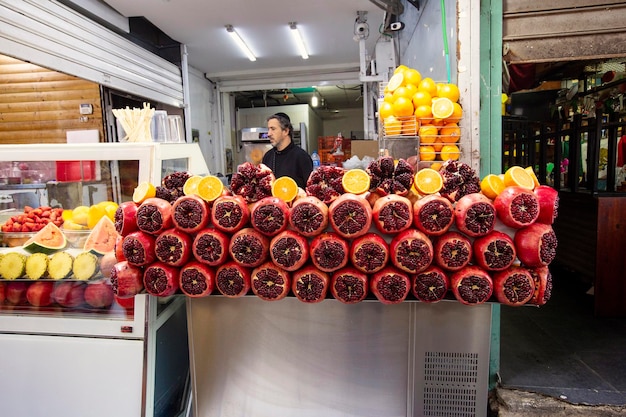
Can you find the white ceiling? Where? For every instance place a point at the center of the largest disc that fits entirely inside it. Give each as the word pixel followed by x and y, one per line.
pixel 328 27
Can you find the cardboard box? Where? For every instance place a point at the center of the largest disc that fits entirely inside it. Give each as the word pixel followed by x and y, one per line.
pixel 362 148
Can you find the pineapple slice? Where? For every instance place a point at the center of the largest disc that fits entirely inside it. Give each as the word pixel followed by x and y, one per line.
pixel 85 266
pixel 12 265
pixel 60 265
pixel 36 265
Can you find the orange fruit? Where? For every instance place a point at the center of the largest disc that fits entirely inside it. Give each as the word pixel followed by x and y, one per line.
pixel 516 175
pixel 491 185
pixel 401 91
pixel 450 133
pixel 395 81
pixel 388 97
pixel 402 106
pixel 428 134
pixel 450 152
pixel 410 126
pixel 438 145
pixel 428 181
pixel 427 153
pixel 449 91
pixel 436 166
pixel 423 113
pixel 143 191
pixel 209 188
pixel 400 69
pixel 191 185
pixel 392 126
pixel 422 98
pixel 355 181
pixel 385 110
pixel 285 188
pixel 412 76
pixel 442 108
pixel 530 170
pixel 457 114
pixel 428 84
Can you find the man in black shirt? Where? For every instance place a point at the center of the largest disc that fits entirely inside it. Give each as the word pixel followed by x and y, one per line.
pixel 285 158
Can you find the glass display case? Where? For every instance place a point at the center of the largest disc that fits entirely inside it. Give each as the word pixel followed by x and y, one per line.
pixel 127 359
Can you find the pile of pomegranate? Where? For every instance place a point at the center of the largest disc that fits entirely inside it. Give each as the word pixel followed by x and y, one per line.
pixel 457 244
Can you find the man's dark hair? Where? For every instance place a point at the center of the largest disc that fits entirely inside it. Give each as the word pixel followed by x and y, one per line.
pixel 284 121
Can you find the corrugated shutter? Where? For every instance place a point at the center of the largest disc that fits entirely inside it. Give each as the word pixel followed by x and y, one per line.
pixel 563 30
pixel 50 34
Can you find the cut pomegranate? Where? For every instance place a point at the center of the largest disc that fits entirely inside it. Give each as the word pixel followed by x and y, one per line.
pixel 229 213
pixel 548 199
pixel 196 279
pixel 517 207
pixel 325 183
pixel 270 216
pixel 126 218
pixel 160 279
pixel 475 215
pixel 138 248
pixel 453 251
pixel 536 245
pixel 252 182
pixel 248 247
pixel 471 285
pixel 369 253
pixel 430 285
pixel 269 282
pixel 329 251
pixel 350 215
pixel 289 250
pixel 309 284
pixel 349 286
pixel 411 251
pixel 232 280
pixel 174 184
pixel 154 216
pixel 390 285
pixel 494 252
pixel 392 214
pixel 514 286
pixel 433 214
pixel 309 216
pixel 459 179
pixel 173 247
pixel 210 246
pixel 190 214
pixel 389 177
pixel 543 285
pixel 126 280
pixel 119 248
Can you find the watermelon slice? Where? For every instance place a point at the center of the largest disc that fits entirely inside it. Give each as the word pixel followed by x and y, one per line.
pixel 48 240
pixel 102 237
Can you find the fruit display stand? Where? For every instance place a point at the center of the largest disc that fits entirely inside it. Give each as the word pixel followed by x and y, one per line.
pixel 78 361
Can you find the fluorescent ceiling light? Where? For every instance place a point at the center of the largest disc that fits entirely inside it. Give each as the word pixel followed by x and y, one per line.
pixel 297 36
pixel 314 101
pixel 240 43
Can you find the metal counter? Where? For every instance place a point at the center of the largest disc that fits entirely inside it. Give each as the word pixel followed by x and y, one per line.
pixel 255 358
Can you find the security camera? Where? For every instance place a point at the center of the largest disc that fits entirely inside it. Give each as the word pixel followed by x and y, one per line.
pixel 361 28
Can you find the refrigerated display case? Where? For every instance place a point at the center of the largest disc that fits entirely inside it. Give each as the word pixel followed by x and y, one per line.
pixel 81 360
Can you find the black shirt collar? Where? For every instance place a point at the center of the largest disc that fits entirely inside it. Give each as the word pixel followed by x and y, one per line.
pixel 287 149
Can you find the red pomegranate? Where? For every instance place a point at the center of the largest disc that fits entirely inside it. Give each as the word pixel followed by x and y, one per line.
pixel 99 294
pixel 514 286
pixel 390 285
pixel 252 182
pixel 309 216
pixel 269 282
pixel 173 247
pixel 475 215
pixel 126 280
pixel 517 207
pixel 411 251
pixel 350 215
pixel 453 251
pixel 548 199
pixel 369 253
pixel 433 214
pixel 138 248
pixel 196 279
pixel 430 285
pixel 119 248
pixel 543 285
pixel 495 251
pixel 161 279
pixel 329 251
pixel 309 284
pixel 392 214
pixel 126 218
pixel 210 246
pixel 459 179
pixel 325 183
pixel 270 216
pixel 190 214
pixel 154 216
pixel 232 280
pixel 536 245
pixel 39 293
pixel 388 176
pixel 471 285
pixel 289 250
pixel 229 213
pixel 348 285
pixel 248 247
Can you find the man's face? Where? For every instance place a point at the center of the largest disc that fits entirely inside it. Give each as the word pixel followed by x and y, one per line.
pixel 278 137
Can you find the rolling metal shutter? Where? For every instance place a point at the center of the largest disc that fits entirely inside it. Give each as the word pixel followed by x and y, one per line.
pixel 52 35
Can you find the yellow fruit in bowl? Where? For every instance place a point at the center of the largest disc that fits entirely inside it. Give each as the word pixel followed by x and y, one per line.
pixel 96 212
pixel 80 215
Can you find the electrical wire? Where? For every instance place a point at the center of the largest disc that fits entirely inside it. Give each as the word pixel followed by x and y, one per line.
pixel 445 39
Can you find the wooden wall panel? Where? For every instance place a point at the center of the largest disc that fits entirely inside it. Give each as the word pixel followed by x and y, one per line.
pixel 38 105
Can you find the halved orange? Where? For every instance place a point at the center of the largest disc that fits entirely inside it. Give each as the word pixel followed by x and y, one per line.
pixel 209 188
pixel 191 185
pixel 450 133
pixel 516 175
pixel 428 181
pixel 355 181
pixel 492 185
pixel 285 188
pixel 450 152
pixel 143 191
pixel 395 81
pixel 442 108
pixel 530 170
pixel 427 153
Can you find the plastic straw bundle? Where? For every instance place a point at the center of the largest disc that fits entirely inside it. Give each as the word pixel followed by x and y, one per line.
pixel 136 123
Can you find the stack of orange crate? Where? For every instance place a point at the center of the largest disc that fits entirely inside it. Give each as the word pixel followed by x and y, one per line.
pixel 326 147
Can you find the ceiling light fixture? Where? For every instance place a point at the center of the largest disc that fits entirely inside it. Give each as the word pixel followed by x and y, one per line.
pixel 314 101
pixel 297 36
pixel 240 43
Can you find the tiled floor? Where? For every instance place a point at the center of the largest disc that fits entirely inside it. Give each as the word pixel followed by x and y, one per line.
pixel 562 350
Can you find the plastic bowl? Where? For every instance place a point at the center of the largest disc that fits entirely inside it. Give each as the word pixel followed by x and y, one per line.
pixel 14 239
pixel 76 238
